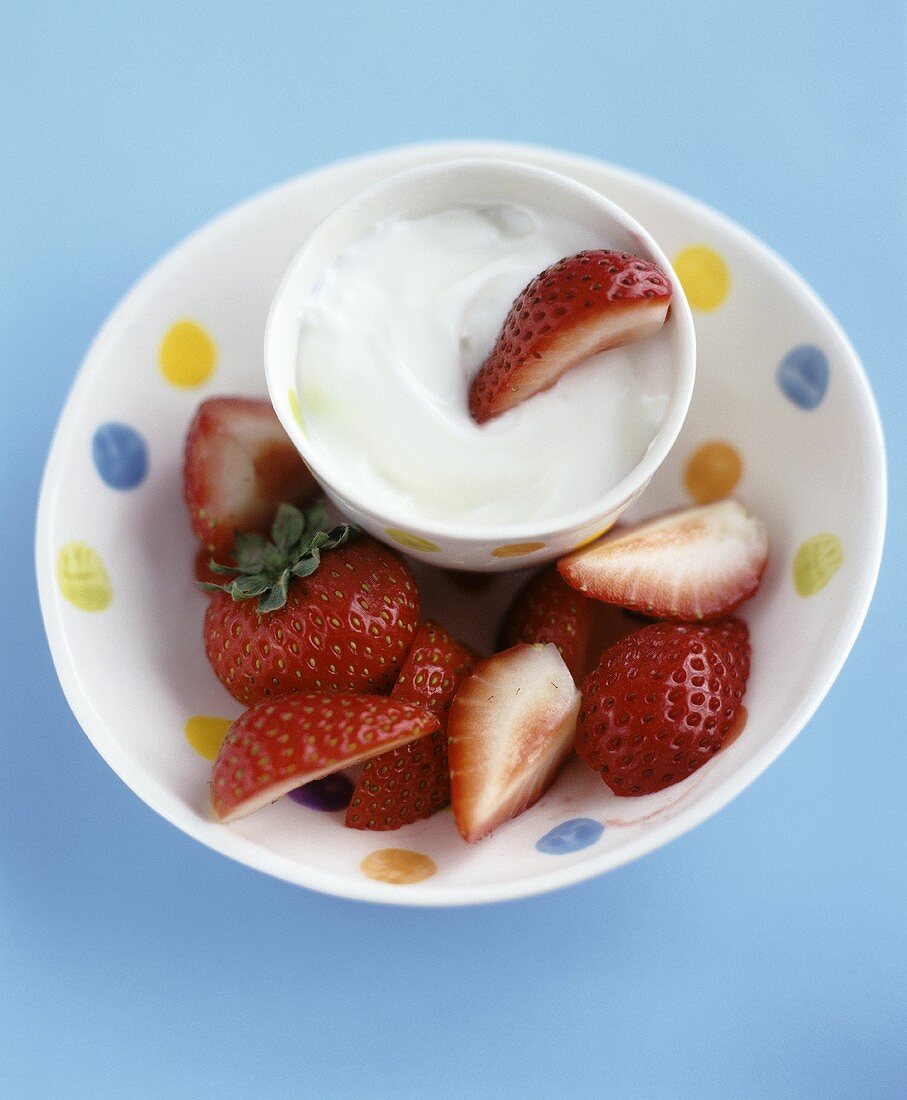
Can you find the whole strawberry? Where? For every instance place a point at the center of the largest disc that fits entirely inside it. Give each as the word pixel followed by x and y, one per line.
pixel 312 610
pixel 661 702
pixel 411 782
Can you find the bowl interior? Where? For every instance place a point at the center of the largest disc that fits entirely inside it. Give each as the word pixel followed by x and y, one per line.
pixel 424 190
pixel 781 411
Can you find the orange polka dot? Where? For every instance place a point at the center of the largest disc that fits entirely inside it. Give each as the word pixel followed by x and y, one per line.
pixel 712 471
pixel 596 536
pixel 397 866
pixel 517 549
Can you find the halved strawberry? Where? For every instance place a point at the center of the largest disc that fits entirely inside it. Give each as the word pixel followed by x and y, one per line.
pixel 239 465
pixel 578 307
pixel 546 609
pixel 510 729
pixel 278 745
pixel 662 702
pixel 413 781
pixel 694 564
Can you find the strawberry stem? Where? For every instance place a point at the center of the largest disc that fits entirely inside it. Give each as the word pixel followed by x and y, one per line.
pixel 266 568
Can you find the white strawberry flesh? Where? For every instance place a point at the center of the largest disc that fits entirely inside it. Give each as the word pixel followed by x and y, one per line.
pixel 511 727
pixel 690 565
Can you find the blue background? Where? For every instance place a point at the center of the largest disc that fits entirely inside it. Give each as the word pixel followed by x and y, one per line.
pixel 764 954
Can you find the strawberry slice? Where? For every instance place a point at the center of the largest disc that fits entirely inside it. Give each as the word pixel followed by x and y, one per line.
pixel 578 307
pixel 510 729
pixel 694 564
pixel 662 702
pixel 279 745
pixel 413 781
pixel 239 465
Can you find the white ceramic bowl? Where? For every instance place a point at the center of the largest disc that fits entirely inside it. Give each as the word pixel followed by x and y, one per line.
pixel 423 191
pixel 789 399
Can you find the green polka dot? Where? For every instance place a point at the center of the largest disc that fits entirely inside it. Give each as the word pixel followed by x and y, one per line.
pixel 295 409
pixel 410 541
pixel 817 561
pixel 82 577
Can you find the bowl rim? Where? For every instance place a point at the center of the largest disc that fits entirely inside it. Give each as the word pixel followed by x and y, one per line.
pixel 615 499
pixel 235 846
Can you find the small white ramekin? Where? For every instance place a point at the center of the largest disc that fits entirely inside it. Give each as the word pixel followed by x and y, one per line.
pixel 422 191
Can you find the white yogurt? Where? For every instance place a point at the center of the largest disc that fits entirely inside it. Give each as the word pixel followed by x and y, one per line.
pixel 390 339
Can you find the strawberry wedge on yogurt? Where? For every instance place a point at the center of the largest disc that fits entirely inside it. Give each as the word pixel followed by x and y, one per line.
pixel 582 305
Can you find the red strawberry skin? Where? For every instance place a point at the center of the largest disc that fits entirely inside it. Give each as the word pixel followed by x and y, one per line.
pixel 661 703
pixel 578 307
pixel 348 627
pixel 413 781
pixel 279 745
pixel 239 465
pixel 547 609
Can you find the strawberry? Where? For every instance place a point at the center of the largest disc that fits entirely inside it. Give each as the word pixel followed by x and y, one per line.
pixel 694 564
pixel 510 729
pixel 336 611
pixel 204 566
pixel 576 308
pixel 412 782
pixel 239 465
pixel 661 703
pixel 546 609
pixel 279 745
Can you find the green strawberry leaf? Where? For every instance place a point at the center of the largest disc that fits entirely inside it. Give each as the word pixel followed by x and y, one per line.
pixel 289 527
pixel 276 595
pixel 266 569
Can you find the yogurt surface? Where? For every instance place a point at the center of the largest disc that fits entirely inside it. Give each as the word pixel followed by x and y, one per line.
pixel 390 339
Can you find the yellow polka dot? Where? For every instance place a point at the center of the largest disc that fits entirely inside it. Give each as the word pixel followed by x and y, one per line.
pixel 703 275
pixel 206 734
pixel 295 409
pixel 712 471
pixel 817 561
pixel 517 549
pixel 398 866
pixel 187 354
pixel 411 542
pixel 596 536
pixel 82 577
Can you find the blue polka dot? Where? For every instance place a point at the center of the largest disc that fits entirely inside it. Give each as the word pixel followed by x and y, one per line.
pixel 570 836
pixel 120 455
pixel 803 375
pixel 329 794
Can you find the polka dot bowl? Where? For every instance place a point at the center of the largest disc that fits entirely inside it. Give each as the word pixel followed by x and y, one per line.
pixel 782 417
pixel 428 189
